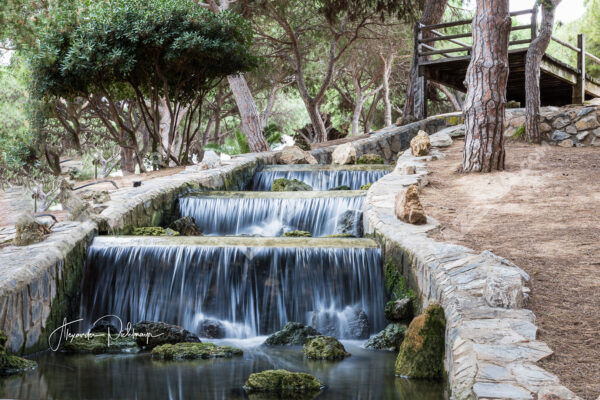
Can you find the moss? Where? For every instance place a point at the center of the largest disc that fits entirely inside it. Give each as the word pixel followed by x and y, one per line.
pixel 293 333
pixel 366 187
pixel 289 185
pixel 324 348
pixel 395 284
pixel 421 354
pixel 341 187
pixel 283 382
pixel 341 235
pixel 194 351
pixel 153 231
pixel 98 343
pixel 297 234
pixel 370 159
pixel 10 364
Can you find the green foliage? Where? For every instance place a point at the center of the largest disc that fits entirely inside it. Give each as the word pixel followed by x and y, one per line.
pixel 289 185
pixel 395 284
pixel 520 132
pixel 232 145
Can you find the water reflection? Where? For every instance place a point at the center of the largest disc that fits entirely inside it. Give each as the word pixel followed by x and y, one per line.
pixel 364 375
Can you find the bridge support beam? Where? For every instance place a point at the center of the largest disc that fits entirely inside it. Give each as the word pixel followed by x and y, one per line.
pixel 579 88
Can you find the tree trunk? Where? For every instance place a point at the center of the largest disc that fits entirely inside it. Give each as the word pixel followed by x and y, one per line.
pixel 486 80
pixel 532 73
pixel 387 71
pixel 415 91
pixel 317 121
pixel 128 161
pixel 248 113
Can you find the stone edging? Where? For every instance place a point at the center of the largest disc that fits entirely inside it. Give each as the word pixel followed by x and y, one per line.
pixel 491 346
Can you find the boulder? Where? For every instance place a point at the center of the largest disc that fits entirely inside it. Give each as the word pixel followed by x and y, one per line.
pixel 186 227
pixel 589 122
pixel 100 197
pixel 420 144
pixel 194 351
pixel 293 333
pixel 289 185
pixel 10 364
pixel 366 187
pixel 295 155
pixel 440 139
pixel 28 231
pixel 212 329
pixel 153 231
pixel 399 310
pixel 454 130
pixel 104 326
pixel 285 384
pixel 421 354
pixel 99 343
pixel 388 339
pixel 351 323
pixel 324 348
pixel 78 209
pixel 558 136
pixel 567 143
pixel 350 222
pixel 341 187
pixel 297 234
pixel 344 154
pixel 159 333
pixel 370 159
pixel 408 207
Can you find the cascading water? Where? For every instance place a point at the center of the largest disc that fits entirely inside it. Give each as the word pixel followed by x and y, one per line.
pixel 250 290
pixel 319 179
pixel 268 216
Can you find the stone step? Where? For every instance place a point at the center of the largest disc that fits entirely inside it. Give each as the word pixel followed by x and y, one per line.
pixel 280 195
pixel 233 241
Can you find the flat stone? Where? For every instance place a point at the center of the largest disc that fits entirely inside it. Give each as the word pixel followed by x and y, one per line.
pixel 500 391
pixel 440 139
pixel 558 136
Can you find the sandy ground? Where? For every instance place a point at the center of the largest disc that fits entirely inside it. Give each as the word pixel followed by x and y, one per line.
pixel 543 213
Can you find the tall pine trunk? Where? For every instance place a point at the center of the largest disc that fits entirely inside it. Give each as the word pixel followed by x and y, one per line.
pixel 248 113
pixel 486 80
pixel 414 105
pixel 532 72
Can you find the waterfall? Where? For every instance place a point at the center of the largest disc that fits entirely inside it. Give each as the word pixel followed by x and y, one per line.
pixel 250 290
pixel 321 179
pixel 269 216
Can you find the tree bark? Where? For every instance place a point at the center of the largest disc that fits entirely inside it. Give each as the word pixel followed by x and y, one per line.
pixel 532 73
pixel 128 161
pixel 387 71
pixel 415 88
pixel 486 80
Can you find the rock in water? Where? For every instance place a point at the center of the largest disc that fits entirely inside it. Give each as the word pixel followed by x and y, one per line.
pixel 162 333
pixel 422 351
pixel 388 339
pixel 324 348
pixel 212 329
pixel 350 222
pixel 399 310
pixel 351 323
pixel 295 155
pixel 370 159
pixel 286 384
pixel 194 351
pixel 153 231
pixel 420 144
pixel 344 154
pixel 357 324
pixel 10 364
pixel 28 231
pixel 104 326
pixel 99 343
pixel 297 234
pixel 186 227
pixel 293 333
pixel 289 185
pixel 409 208
pixel 341 187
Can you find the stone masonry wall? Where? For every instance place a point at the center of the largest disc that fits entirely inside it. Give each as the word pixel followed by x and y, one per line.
pixel 564 126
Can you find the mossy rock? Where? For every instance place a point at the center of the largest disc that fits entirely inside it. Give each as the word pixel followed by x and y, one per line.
pixel 388 339
pixel 341 235
pixel 297 234
pixel 341 187
pixel 293 333
pixel 370 159
pixel 324 348
pixel 422 351
pixel 284 384
pixel 153 231
pixel 367 186
pixel 290 185
pixel 99 343
pixel 10 364
pixel 194 351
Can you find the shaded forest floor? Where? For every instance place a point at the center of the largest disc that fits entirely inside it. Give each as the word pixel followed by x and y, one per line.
pixel 543 213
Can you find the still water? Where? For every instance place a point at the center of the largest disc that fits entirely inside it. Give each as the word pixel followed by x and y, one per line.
pixel 366 374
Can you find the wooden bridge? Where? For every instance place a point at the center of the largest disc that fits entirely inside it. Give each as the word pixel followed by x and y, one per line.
pixel 560 83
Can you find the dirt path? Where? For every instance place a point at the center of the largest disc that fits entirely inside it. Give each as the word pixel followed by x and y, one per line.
pixel 543 213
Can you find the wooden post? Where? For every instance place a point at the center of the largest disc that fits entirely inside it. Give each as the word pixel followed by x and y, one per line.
pixel 534 14
pixel 579 88
pixel 421 87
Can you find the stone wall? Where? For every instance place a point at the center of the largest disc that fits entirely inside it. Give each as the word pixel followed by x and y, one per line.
pixel 565 126
pixel 491 346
